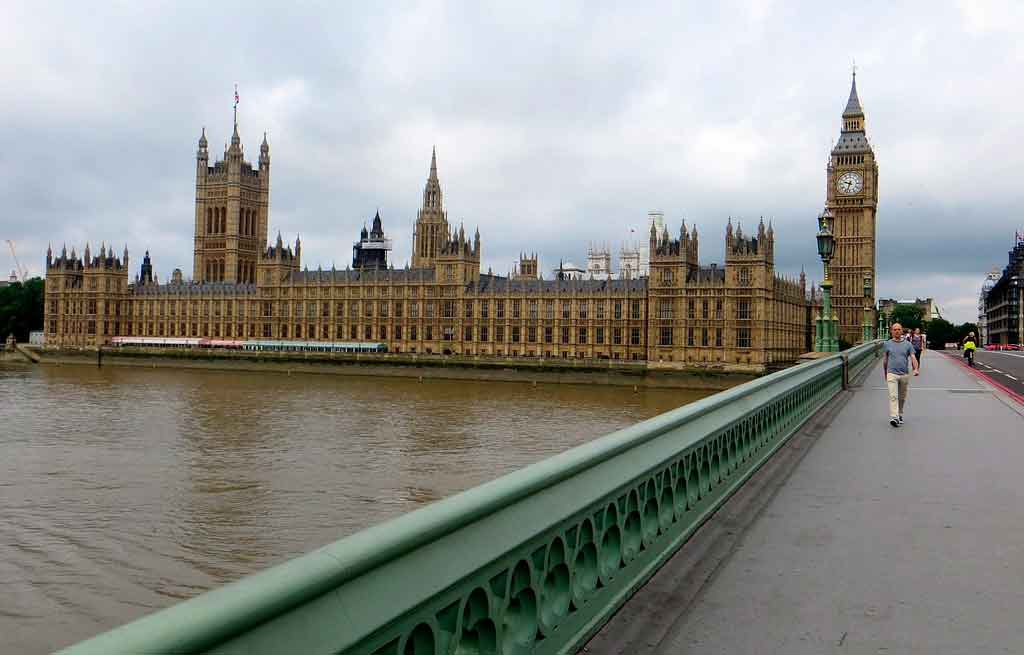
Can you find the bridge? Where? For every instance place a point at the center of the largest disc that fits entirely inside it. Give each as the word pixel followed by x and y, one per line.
pixel 783 515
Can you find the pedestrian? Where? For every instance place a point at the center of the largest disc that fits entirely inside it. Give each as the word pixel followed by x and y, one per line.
pixel 969 348
pixel 896 366
pixel 917 341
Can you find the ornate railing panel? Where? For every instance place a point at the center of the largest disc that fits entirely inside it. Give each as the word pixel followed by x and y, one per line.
pixel 533 562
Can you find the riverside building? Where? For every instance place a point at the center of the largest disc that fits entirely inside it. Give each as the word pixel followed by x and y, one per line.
pixel 1004 302
pixel 739 316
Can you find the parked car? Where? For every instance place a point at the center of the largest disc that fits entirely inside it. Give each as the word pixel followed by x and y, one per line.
pixel 992 346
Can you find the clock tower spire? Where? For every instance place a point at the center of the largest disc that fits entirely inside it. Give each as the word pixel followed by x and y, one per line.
pixel 852 197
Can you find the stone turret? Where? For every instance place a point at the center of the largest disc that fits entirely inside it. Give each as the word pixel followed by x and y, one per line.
pixel 431 227
pixel 232 211
pixel 278 261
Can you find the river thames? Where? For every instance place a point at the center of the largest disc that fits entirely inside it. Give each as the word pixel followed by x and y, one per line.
pixel 125 490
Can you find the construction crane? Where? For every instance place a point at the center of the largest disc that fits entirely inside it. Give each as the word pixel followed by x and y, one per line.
pixel 22 271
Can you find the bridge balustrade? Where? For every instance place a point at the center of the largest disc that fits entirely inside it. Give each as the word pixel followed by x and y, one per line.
pixel 533 562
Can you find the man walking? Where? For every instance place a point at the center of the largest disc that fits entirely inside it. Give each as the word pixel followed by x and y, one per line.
pixel 896 365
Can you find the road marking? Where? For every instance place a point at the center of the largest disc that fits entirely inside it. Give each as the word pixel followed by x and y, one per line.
pixel 1010 376
pixel 948 389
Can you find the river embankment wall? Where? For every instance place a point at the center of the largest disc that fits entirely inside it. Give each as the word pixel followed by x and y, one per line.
pixel 423 367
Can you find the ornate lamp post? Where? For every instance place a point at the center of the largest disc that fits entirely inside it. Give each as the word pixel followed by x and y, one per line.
pixel 868 323
pixel 829 341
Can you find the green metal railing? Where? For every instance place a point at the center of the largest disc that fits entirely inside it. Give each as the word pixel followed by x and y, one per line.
pixel 533 562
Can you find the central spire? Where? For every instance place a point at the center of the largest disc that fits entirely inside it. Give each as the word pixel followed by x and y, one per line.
pixel 235 140
pixel 853 107
pixel 432 191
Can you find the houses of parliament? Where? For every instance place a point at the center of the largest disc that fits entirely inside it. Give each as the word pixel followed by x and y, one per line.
pixel 740 315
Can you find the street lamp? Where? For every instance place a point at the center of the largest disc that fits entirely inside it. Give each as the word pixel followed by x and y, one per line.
pixel 868 324
pixel 827 337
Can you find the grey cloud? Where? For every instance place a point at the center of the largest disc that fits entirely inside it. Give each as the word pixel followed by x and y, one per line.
pixel 556 125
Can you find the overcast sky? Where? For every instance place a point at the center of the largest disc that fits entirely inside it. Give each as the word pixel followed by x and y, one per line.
pixel 556 124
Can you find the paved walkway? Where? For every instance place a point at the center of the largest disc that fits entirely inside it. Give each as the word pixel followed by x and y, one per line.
pixel 873 540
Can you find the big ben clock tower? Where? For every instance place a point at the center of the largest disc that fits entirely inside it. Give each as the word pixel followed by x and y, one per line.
pixel 852 197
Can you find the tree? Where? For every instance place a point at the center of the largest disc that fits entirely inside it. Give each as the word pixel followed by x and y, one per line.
pixel 21 309
pixel 940 332
pixel 909 316
pixel 964 329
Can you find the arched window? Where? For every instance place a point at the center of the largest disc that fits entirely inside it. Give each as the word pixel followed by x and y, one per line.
pixel 223 220
pixel 209 220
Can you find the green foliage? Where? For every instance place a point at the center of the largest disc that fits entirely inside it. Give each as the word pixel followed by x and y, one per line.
pixel 909 316
pixel 940 332
pixel 21 309
pixel 964 329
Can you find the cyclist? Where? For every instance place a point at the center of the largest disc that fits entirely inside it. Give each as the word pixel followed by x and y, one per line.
pixel 969 348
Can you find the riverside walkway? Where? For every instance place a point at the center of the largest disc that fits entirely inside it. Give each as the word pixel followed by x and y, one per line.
pixel 858 537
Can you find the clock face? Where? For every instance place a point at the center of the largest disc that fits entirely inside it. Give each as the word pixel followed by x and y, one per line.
pixel 850 183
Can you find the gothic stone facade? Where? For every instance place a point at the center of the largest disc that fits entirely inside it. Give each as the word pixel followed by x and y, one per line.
pixel 852 197
pixel 740 316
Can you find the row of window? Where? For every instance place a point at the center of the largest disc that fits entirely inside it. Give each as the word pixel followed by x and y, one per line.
pixel 217 222
pixel 666 309
pixel 618 336
pixel 384 309
pixel 667 276
pixel 706 337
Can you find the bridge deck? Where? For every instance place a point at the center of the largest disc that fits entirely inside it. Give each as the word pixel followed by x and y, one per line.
pixel 874 540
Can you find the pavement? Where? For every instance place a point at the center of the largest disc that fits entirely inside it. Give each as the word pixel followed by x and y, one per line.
pixel 858 537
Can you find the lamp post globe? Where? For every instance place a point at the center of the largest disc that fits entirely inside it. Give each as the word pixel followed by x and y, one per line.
pixel 826 244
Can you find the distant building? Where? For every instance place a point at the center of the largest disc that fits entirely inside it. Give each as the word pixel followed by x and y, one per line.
pixel 929 310
pixel 986 286
pixel 371 251
pixel 656 220
pixel 629 263
pixel 1004 303
pixel 599 261
pixel 569 271
pixel 528 267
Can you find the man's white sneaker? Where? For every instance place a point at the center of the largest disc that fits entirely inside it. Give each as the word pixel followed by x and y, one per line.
pixel 901 419
pixel 894 422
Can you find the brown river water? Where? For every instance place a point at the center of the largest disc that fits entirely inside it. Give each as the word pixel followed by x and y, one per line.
pixel 125 490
